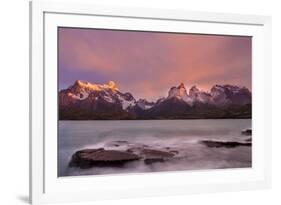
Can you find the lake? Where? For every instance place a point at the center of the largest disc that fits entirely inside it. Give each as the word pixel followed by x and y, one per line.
pixel 183 136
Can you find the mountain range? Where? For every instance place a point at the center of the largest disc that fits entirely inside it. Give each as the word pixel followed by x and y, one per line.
pixel 87 101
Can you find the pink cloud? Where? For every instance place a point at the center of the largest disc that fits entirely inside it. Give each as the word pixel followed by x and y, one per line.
pixel 147 64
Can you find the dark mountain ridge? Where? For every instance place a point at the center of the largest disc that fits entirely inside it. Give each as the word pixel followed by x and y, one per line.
pixel 87 101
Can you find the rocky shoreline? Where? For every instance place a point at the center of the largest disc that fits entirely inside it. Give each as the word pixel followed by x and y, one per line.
pixel 119 153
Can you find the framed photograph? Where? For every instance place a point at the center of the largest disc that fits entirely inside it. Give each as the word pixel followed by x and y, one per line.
pixel 129 102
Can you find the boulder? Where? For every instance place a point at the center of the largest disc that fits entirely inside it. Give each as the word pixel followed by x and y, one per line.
pixel 100 157
pixel 117 153
pixel 228 144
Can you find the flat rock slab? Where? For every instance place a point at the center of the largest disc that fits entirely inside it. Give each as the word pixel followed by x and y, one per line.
pixel 100 157
pixel 219 144
pixel 151 155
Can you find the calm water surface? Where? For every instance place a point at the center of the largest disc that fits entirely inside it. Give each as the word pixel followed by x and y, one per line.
pixel 181 135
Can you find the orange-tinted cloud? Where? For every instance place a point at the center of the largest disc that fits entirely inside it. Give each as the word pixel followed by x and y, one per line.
pixel 147 64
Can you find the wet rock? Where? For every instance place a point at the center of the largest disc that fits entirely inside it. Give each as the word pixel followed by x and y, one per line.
pixel 229 144
pixel 117 153
pixel 100 157
pixel 153 160
pixel 117 143
pixel 130 150
pixel 135 150
pixel 249 140
pixel 152 155
pixel 247 132
pixel 174 152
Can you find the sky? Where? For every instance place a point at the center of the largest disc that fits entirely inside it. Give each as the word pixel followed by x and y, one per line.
pixel 148 64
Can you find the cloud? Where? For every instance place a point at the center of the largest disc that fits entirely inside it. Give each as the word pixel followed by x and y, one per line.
pixel 147 64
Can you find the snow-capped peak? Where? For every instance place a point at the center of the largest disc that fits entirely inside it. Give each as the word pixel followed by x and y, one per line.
pixel 180 93
pixel 193 91
pixel 218 89
pixel 96 87
pixel 181 86
pixel 144 104
pixel 105 92
pixel 112 85
pixel 109 95
pixel 230 94
pixel 182 90
pixel 199 95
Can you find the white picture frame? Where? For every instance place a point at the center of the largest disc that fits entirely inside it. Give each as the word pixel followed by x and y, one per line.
pixel 46 187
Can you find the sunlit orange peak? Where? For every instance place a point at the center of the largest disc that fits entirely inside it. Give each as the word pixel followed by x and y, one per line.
pixel 112 85
pixel 98 87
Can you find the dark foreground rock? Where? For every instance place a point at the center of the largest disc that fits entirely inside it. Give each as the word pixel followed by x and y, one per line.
pixel 247 132
pixel 151 155
pixel 249 140
pixel 219 144
pixel 88 158
pixel 100 157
